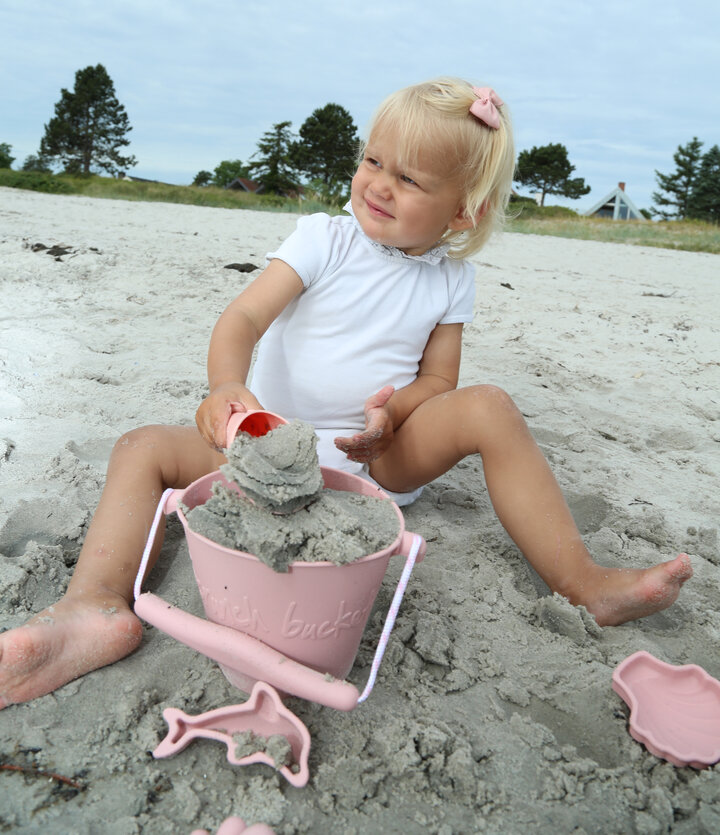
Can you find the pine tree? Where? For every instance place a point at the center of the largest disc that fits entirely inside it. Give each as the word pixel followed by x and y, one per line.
pixel 34 162
pixel 547 169
pixel 89 127
pixel 704 202
pixel 677 187
pixel 274 169
pixel 202 179
pixel 6 158
pixel 327 151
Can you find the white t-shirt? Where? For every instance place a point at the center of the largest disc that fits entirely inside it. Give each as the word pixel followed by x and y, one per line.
pixel 362 322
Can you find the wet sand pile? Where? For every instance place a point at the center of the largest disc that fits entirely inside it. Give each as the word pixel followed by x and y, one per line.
pixel 285 514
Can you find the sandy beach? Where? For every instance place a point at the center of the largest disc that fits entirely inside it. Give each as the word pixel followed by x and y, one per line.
pixel 493 711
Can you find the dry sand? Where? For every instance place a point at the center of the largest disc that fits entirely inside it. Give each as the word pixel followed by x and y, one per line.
pixel 493 711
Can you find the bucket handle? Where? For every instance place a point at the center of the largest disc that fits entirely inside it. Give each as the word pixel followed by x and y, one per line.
pixel 340 695
pixel 164 499
pixel 417 544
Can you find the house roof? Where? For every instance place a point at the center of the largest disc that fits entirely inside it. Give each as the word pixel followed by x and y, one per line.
pixel 615 202
pixel 133 179
pixel 243 184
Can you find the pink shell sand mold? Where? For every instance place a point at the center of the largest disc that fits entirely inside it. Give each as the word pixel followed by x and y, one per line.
pixel 674 710
pixel 263 713
pixel 236 826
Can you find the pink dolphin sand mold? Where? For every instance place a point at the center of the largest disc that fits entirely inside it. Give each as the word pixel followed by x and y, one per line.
pixel 674 710
pixel 263 713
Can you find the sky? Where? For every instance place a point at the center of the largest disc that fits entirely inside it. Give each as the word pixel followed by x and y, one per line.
pixel 620 83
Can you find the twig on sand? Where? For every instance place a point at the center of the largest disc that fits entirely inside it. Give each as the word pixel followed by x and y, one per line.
pixel 37 772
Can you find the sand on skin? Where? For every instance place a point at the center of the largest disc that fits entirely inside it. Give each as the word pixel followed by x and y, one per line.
pixel 493 710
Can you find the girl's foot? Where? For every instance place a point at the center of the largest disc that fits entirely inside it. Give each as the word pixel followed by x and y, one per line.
pixel 78 634
pixel 617 595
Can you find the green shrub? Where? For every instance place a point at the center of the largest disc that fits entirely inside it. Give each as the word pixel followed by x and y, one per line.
pixel 525 207
pixel 36 181
pixel 517 198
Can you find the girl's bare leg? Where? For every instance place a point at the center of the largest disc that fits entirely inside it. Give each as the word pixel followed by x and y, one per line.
pixel 92 625
pixel 526 498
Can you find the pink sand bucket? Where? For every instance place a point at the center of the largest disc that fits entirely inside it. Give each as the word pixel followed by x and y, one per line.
pixel 300 630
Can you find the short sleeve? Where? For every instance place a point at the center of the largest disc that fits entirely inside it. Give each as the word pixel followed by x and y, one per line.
pixel 313 248
pixel 462 295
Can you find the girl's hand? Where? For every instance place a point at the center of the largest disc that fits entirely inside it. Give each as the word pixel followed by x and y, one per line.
pixel 369 445
pixel 214 412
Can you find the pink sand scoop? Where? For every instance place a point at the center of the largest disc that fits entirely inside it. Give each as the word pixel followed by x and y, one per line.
pixel 255 422
pixel 299 630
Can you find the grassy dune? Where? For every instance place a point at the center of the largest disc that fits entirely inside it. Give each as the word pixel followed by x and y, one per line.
pixel 110 188
pixel 694 236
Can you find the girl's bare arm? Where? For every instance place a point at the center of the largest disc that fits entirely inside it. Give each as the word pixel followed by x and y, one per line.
pixel 234 337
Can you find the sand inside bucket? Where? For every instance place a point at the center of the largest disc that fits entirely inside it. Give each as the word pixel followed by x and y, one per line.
pixel 286 515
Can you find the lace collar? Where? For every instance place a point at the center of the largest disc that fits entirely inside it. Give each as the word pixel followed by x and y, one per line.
pixel 432 256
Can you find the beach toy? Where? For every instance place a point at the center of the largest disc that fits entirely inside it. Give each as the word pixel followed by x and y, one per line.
pixel 236 826
pixel 674 710
pixel 255 422
pixel 298 630
pixel 263 714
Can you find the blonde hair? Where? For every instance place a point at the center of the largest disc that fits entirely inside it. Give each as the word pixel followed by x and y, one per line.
pixel 436 116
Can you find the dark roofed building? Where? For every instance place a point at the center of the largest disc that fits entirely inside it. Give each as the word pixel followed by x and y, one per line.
pixel 243 184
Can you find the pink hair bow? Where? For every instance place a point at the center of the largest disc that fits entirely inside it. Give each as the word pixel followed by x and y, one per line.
pixel 485 106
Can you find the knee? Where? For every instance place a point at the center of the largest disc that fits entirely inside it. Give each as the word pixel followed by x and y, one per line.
pixel 494 415
pixel 139 441
pixel 489 400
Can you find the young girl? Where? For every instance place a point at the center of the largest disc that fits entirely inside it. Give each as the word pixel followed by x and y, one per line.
pixel 360 320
